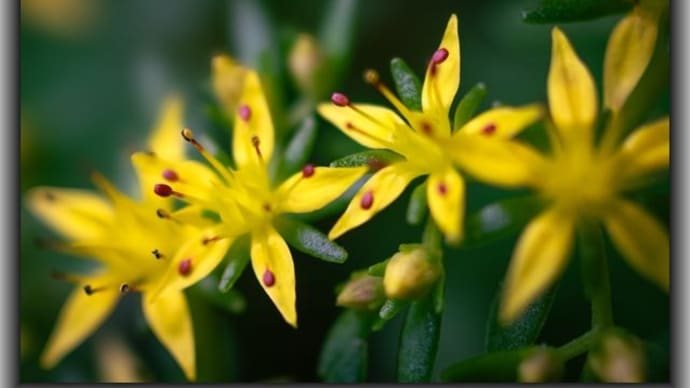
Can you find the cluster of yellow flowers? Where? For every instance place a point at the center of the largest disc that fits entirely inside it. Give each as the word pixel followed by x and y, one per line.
pixel 582 178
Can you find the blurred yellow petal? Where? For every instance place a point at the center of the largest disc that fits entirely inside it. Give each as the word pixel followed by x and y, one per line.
pixel 571 90
pixel 228 81
pixel 80 316
pixel 443 73
pixel 647 149
pixel 503 122
pixel 117 362
pixel 315 187
pixel 498 162
pixel 369 125
pixel 273 267
pixel 641 239
pixel 446 197
pixel 377 193
pixel 171 322
pixel 629 50
pixel 539 258
pixel 75 214
pixel 166 141
pixel 252 141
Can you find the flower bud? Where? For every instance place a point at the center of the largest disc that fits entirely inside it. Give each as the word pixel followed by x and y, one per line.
pixel 618 357
pixel 410 274
pixel 304 60
pixel 362 292
pixel 228 82
pixel 542 364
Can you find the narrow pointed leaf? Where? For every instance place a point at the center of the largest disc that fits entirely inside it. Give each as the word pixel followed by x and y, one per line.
pixel 500 218
pixel 419 341
pixel 407 84
pixel 489 367
pixel 468 105
pixel 378 269
pixel 556 11
pixel 391 308
pixel 344 355
pixel 375 159
pixel 309 240
pixel 238 258
pixel 417 207
pixel 299 148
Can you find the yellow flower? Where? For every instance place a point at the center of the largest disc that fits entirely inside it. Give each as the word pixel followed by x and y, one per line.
pixel 422 139
pixel 583 180
pixel 134 246
pixel 245 199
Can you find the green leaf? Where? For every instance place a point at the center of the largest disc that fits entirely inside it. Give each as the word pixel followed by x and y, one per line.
pixel 419 341
pixel 307 239
pixel 407 84
pixel 230 300
pixel 298 149
pixel 490 367
pixel 468 105
pixel 375 159
pixel 378 269
pixel 344 357
pixel 337 32
pixel 238 257
pixel 390 308
pixel 417 208
pixel 440 293
pixel 500 218
pixel 559 11
pixel 524 330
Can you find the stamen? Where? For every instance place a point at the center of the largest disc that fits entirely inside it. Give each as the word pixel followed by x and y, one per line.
pixel 268 278
pixel 372 78
pixel 308 170
pixel 340 99
pixel 185 267
pixel 157 254
pixel 489 129
pixel 256 142
pixel 244 112
pixel 124 288
pixel 170 175
pixel 352 127
pixel 426 128
pixel 62 276
pixel 267 206
pixel 367 200
pixel 207 240
pixel 89 290
pixel 163 190
pixel 225 172
pixel 442 188
pixel 439 56
pixel 376 164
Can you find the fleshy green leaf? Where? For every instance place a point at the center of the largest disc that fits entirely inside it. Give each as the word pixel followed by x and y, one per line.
pixel 307 239
pixel 524 330
pixel 238 257
pixel 407 84
pixel 375 159
pixel 468 105
pixel 344 355
pixel 391 308
pixel 490 367
pixel 419 341
pixel 299 148
pixel 378 269
pixel 559 11
pixel 500 218
pixel 230 300
pixel 417 207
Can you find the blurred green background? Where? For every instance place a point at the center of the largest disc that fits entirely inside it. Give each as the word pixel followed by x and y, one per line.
pixel 92 76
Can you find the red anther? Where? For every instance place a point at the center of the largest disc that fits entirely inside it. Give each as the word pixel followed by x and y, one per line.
pixel 162 190
pixel 426 128
pixel 442 188
pixel 308 170
pixel 268 278
pixel 340 99
pixel 376 164
pixel 170 175
pixel 439 56
pixel 489 129
pixel 245 112
pixel 367 200
pixel 185 267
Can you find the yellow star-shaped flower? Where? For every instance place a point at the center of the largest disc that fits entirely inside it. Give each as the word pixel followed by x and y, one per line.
pixel 422 139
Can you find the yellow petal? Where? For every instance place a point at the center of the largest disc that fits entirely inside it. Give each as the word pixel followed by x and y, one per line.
pixel 273 267
pixel 647 149
pixel 629 50
pixel 301 193
pixel 445 193
pixel 539 257
pixel 253 125
pixel 443 79
pixel 75 214
pixel 498 162
pixel 171 322
pixel 165 140
pixel 503 122
pixel 641 239
pixel 377 193
pixel 228 81
pixel 79 317
pixel 369 125
pixel 571 91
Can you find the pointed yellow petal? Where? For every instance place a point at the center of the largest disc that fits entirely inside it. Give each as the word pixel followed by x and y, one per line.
pixel 75 214
pixel 253 132
pixel 445 193
pixel 443 74
pixel 503 122
pixel 165 140
pixel 641 239
pixel 539 257
pixel 628 52
pixel 79 317
pixel 571 90
pixel 273 267
pixel 315 187
pixel 495 161
pixel 171 322
pixel 369 125
pixel 377 193
pixel 228 81
pixel 647 149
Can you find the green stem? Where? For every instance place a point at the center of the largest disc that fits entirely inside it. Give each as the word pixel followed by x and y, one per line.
pixel 595 274
pixel 431 238
pixel 578 345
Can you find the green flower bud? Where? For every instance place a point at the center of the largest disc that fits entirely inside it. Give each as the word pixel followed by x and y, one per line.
pixel 410 274
pixel 618 357
pixel 362 292
pixel 541 364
